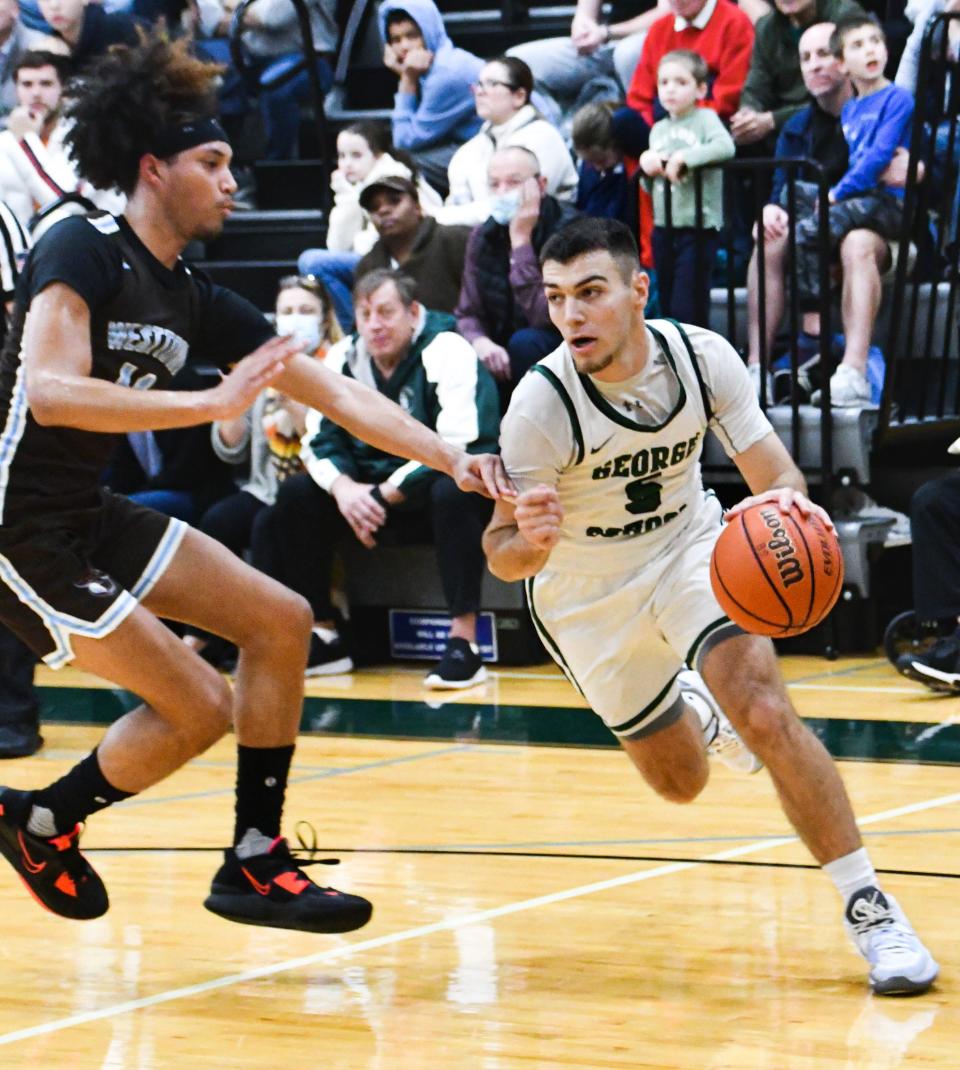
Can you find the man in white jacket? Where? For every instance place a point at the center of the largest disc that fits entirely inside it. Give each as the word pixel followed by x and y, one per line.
pixel 35 169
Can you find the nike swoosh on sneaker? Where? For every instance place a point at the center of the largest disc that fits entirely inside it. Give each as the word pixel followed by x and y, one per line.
pixel 262 889
pixel 28 862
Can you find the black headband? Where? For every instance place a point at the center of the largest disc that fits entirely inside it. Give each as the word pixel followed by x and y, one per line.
pixel 187 136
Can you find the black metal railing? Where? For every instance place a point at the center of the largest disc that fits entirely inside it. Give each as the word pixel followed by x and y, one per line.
pixel 922 390
pixel 800 408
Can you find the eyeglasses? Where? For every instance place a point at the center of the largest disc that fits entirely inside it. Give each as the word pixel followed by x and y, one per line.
pixel 486 84
pixel 302 281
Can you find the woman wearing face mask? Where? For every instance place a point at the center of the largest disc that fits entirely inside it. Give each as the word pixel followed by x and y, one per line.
pixel 502 95
pixel 364 154
pixel 268 434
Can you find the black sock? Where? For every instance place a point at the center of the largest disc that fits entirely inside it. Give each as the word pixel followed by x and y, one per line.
pixel 76 795
pixel 261 788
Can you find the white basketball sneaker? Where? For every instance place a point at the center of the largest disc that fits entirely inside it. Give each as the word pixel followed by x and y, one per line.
pixel 719 734
pixel 899 963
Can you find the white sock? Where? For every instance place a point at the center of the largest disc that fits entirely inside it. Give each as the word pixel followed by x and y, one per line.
pixel 851 873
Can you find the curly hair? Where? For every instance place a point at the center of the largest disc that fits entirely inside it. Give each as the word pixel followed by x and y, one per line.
pixel 128 98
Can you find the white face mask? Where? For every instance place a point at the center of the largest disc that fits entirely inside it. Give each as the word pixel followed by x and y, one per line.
pixel 303 326
pixel 504 206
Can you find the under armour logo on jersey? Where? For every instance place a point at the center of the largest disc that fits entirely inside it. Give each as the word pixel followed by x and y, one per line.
pixel 97 583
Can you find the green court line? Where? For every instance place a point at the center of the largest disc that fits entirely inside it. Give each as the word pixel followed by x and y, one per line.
pixel 851 739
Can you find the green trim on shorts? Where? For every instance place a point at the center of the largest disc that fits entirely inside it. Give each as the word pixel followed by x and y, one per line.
pixel 670 716
pixel 561 390
pixel 619 729
pixel 547 637
pixel 721 624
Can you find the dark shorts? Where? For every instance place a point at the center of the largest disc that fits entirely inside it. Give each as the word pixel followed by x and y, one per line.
pixel 80 571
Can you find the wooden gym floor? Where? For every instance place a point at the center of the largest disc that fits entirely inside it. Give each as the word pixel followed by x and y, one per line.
pixel 535 905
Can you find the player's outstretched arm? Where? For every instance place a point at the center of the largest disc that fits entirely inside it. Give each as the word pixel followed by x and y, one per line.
pixel 62 392
pixel 370 416
pixel 772 475
pixel 522 533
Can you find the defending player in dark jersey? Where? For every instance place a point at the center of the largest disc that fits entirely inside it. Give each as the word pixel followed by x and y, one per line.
pixel 106 313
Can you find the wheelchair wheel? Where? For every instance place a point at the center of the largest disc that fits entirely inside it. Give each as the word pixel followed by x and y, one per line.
pixel 906 634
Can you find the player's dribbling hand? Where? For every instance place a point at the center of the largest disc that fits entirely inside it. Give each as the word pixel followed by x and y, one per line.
pixel 784 498
pixel 538 516
pixel 483 473
pixel 237 391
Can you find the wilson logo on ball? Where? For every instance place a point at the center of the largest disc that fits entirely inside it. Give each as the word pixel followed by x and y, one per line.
pixel 782 548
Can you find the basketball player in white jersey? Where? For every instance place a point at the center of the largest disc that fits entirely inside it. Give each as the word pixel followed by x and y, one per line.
pixel 613 532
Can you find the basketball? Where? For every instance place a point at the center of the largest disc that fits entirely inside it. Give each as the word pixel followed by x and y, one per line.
pixel 776 574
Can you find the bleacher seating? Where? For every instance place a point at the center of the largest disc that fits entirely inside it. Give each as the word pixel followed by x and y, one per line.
pixel 285 185
pixel 278 234
pixel 364 89
pixel 256 280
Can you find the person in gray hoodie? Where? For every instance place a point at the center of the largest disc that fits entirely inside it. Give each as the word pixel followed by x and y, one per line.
pixel 433 110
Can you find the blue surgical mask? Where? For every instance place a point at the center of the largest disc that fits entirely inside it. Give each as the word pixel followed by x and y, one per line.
pixel 303 326
pixel 504 207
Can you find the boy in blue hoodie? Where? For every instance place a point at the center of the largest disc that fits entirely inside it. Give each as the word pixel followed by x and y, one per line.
pixel 433 110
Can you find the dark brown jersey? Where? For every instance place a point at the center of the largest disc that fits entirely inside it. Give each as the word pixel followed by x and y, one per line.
pixel 146 321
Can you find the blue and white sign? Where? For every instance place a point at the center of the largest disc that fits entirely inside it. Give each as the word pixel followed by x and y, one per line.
pixel 422 635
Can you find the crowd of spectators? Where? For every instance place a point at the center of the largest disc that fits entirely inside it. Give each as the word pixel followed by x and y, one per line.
pixel 428 286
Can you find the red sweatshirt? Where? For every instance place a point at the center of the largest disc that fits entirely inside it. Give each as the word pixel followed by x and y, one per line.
pixel 725 43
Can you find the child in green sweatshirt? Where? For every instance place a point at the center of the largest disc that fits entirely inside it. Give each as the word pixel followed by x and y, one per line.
pixel 689 138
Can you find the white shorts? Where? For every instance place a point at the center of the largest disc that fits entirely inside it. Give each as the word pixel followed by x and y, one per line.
pixel 621 639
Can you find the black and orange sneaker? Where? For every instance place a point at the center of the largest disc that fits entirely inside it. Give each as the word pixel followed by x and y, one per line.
pixel 261 882
pixel 55 872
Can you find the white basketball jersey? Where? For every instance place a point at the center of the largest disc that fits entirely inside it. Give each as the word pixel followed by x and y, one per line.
pixel 625 457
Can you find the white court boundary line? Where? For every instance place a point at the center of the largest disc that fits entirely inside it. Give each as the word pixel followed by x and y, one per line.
pixel 436 927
